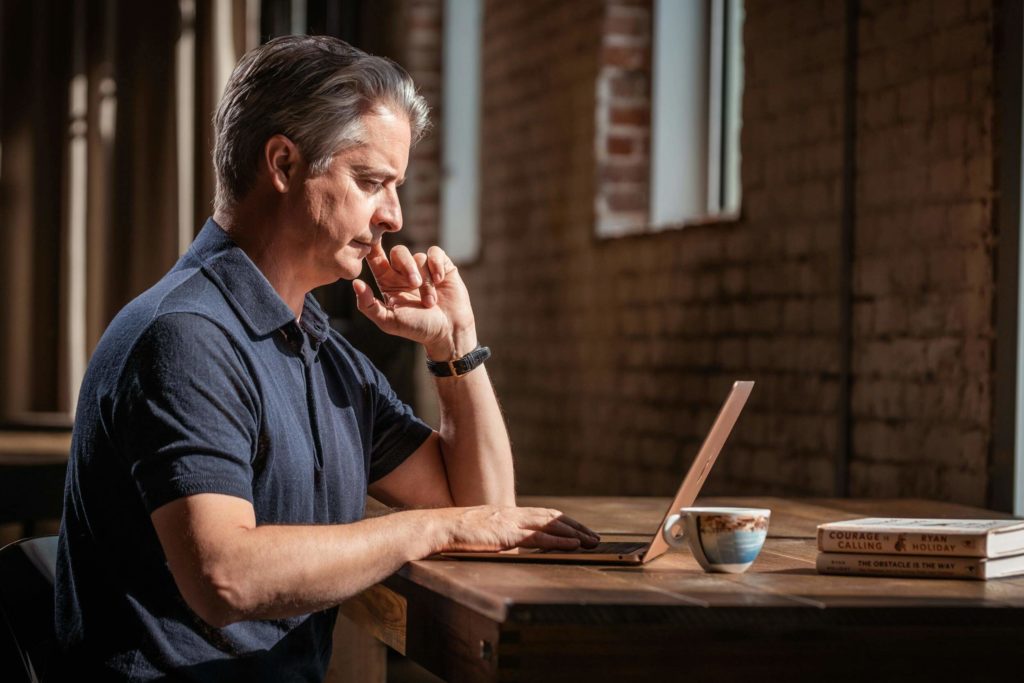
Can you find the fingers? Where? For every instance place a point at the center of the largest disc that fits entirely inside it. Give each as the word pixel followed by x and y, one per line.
pixel 378 261
pixel 422 270
pixel 427 294
pixel 432 267
pixel 548 541
pixel 586 531
pixel 369 305
pixel 554 523
pixel 439 264
pixel 403 262
pixel 585 537
pixel 399 261
pixel 489 527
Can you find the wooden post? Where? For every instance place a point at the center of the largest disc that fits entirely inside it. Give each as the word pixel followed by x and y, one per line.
pixel 358 656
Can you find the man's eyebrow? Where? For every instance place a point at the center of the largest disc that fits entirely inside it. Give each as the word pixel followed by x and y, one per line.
pixel 364 169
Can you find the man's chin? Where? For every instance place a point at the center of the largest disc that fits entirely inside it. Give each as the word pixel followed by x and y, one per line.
pixel 348 268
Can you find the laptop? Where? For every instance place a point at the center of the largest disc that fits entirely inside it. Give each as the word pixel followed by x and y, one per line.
pixel 633 552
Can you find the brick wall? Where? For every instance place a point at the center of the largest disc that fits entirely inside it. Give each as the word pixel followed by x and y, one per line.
pixel 623 117
pixel 924 280
pixel 416 45
pixel 539 281
pixel 612 356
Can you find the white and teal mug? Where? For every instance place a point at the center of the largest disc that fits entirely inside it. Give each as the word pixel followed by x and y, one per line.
pixel 722 539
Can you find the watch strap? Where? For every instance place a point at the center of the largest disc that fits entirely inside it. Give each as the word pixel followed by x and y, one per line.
pixel 459 366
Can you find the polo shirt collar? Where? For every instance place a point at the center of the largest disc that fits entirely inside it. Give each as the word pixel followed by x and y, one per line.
pixel 248 291
pixel 314 320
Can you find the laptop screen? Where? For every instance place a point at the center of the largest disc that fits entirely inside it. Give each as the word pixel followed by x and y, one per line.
pixel 702 464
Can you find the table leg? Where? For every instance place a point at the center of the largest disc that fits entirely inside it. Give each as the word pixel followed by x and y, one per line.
pixel 358 656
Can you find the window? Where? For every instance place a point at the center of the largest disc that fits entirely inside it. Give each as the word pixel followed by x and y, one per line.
pixel 697 88
pixel 460 137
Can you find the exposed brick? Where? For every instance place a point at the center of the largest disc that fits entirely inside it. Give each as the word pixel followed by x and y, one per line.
pixel 965 44
pixel 878 108
pixel 947 178
pixel 931 315
pixel 629 86
pixel 875 480
pixel 628 24
pixel 946 270
pixel 950 91
pixel 979 176
pixel 979 266
pixel 618 144
pixel 871 277
pixel 629 173
pixel 913 100
pixel 626 57
pixel 948 12
pixel 659 323
pixel 635 200
pixel 965 487
pixel 630 116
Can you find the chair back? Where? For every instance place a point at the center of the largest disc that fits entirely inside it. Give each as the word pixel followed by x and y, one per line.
pixel 27 639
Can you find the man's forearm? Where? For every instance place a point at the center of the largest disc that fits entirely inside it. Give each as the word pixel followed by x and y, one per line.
pixel 229 569
pixel 277 571
pixel 474 441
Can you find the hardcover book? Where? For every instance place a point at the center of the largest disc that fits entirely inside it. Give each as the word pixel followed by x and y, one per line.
pixel 928 566
pixel 946 537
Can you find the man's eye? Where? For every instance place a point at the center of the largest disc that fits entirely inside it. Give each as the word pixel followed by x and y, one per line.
pixel 371 185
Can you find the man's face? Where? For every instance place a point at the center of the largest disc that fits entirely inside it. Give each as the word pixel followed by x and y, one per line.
pixel 356 200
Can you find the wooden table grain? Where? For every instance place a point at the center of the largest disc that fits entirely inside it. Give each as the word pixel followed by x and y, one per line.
pixel 491 621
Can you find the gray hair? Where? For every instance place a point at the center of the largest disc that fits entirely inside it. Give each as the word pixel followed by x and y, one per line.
pixel 312 89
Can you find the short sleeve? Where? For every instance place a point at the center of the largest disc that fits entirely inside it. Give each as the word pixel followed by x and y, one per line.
pixel 397 432
pixel 186 412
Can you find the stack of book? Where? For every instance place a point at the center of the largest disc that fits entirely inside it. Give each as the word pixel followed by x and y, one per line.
pixel 939 548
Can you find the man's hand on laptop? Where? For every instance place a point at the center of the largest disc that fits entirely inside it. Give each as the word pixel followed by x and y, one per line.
pixel 492 528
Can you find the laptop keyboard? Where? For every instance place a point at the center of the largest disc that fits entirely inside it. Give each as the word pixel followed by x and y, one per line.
pixel 610 548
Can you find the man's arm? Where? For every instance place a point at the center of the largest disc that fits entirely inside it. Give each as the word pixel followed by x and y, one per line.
pixel 474 442
pixel 229 569
pixel 426 301
pixel 467 462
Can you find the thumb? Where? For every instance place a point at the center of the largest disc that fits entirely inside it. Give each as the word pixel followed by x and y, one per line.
pixel 369 305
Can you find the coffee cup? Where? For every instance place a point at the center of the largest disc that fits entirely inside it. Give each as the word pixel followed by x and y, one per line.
pixel 723 539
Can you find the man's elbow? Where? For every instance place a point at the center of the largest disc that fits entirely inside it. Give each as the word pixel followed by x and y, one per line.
pixel 218 599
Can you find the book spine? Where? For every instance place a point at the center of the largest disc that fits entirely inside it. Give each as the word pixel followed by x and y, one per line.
pixel 851 540
pixel 900 565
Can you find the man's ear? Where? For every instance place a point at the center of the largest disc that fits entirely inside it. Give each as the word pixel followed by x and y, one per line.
pixel 281 160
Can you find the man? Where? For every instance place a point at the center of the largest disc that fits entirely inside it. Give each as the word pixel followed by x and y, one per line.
pixel 226 437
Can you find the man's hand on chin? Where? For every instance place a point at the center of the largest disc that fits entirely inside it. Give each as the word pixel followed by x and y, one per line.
pixel 425 300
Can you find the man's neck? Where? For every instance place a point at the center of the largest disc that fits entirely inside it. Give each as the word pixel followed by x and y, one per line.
pixel 261 236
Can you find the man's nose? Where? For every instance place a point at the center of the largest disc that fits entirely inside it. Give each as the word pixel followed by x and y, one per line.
pixel 388 216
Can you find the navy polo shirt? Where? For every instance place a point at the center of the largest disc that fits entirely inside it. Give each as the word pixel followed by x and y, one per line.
pixel 207 384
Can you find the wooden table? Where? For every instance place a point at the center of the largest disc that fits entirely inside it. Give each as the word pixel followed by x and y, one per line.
pixel 32 467
pixel 780 621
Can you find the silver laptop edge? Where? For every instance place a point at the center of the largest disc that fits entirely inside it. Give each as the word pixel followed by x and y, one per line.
pixel 685 496
pixel 705 460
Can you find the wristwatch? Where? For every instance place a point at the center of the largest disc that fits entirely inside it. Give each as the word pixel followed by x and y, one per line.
pixel 459 366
